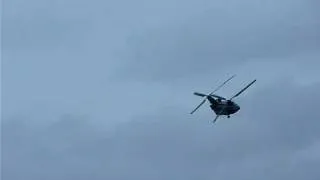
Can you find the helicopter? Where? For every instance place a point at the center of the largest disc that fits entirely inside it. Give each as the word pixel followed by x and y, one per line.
pixel 220 105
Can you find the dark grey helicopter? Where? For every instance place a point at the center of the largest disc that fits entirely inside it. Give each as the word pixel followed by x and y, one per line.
pixel 221 105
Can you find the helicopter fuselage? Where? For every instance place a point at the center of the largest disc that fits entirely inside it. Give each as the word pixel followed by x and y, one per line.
pixel 223 107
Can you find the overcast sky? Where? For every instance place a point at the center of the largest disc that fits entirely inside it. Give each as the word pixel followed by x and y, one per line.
pixel 103 89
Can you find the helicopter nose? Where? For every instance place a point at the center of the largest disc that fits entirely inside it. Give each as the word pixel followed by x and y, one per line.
pixel 237 108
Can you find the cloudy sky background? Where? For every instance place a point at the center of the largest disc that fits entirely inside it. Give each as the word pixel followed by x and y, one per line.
pixel 102 89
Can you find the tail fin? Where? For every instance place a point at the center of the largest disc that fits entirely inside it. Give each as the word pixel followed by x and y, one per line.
pixel 212 100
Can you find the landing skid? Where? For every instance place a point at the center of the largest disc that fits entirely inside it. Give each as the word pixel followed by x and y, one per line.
pixel 215 119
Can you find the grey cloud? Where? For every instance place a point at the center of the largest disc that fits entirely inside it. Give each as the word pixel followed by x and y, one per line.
pixel 269 138
pixel 56 53
pixel 224 35
pixel 68 50
pixel 42 26
pixel 157 40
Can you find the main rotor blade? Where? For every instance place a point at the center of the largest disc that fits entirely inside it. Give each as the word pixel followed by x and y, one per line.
pixel 211 94
pixel 198 106
pixel 222 84
pixel 243 89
